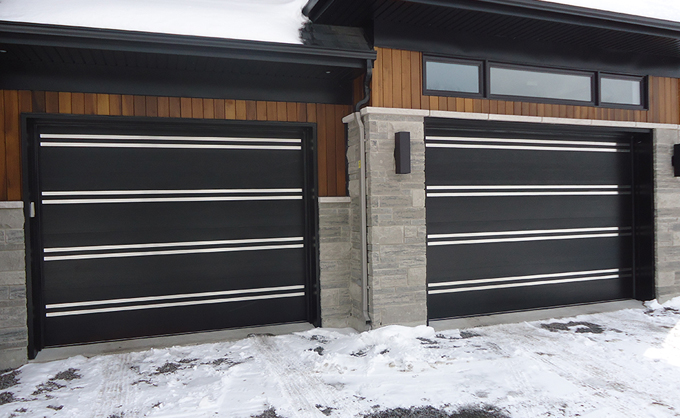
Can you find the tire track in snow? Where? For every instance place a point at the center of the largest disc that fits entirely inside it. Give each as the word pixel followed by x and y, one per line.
pixel 113 394
pixel 303 390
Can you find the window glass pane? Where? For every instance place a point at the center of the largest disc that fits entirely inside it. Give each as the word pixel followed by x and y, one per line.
pixel 512 82
pixel 448 76
pixel 615 90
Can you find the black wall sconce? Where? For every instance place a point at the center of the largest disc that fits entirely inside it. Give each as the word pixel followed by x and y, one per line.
pixel 674 160
pixel 402 152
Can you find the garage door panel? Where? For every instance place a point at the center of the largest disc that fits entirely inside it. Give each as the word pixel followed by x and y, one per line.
pixel 125 223
pixel 468 214
pixel 144 232
pixel 528 297
pixel 485 167
pixel 510 259
pixel 520 221
pixel 164 321
pixel 72 280
pixel 123 169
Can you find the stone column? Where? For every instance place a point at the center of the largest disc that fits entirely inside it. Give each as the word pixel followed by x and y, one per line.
pixel 13 322
pixel 667 215
pixel 395 219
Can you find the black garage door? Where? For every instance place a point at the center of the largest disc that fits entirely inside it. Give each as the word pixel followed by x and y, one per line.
pixel 160 228
pixel 522 217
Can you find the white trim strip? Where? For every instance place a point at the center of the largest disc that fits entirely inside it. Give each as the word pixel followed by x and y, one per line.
pixel 499 194
pixel 171 297
pixel 169 138
pixel 169 244
pixel 530 277
pixel 170 252
pixel 167 146
pixel 548 238
pixel 524 148
pixel 525 141
pixel 148 192
pixel 171 304
pixel 524 232
pixel 169 199
pixel 503 286
pixel 529 187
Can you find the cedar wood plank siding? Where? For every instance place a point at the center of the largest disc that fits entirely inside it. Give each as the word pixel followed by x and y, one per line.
pixel 330 129
pixel 397 82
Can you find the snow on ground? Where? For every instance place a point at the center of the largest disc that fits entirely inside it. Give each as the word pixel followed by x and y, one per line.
pixel 258 20
pixel 620 364
pixel 657 9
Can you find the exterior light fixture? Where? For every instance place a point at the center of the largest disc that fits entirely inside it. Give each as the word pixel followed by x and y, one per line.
pixel 674 160
pixel 402 152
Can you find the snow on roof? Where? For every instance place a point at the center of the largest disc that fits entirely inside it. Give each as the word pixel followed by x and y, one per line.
pixel 657 9
pixel 257 20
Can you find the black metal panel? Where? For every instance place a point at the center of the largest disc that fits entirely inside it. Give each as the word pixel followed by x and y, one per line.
pixel 175 230
pixel 523 216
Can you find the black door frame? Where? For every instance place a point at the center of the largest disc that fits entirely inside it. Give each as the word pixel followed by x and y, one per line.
pixel 32 209
pixel 642 166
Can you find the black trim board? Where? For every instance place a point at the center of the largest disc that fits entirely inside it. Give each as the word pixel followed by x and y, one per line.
pixel 31 176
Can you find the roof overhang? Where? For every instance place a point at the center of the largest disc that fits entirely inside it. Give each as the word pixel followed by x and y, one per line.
pixel 49 57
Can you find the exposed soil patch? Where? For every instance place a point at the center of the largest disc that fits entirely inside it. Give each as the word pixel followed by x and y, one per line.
pixel 269 413
pixel 168 368
pixel 49 386
pixel 55 407
pixel 224 360
pixel 7 380
pixel 68 375
pixel 326 410
pixel 485 411
pixel 580 327
pixel 469 334
pixel 319 350
pixel 6 397
pixel 320 339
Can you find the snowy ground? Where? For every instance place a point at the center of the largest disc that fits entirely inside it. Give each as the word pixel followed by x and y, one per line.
pixel 620 364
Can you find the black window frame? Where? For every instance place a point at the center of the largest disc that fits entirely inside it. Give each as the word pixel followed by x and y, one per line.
pixel 644 90
pixel 446 60
pixel 548 70
pixel 485 83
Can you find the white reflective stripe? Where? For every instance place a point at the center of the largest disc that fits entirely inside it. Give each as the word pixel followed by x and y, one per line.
pixel 169 244
pixel 526 141
pixel 529 232
pixel 170 297
pixel 502 286
pixel 528 187
pixel 171 304
pixel 168 199
pixel 499 194
pixel 526 148
pixel 145 192
pixel 168 138
pixel 530 277
pixel 548 238
pixel 166 146
pixel 170 252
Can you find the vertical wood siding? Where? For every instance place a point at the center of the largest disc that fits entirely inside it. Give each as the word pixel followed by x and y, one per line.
pixel 397 82
pixel 330 129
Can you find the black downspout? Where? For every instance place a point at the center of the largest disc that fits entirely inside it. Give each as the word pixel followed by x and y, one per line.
pixel 367 86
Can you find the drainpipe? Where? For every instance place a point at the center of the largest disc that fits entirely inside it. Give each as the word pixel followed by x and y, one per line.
pixel 362 192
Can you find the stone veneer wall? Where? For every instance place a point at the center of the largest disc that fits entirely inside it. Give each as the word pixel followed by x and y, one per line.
pixel 13 322
pixel 334 260
pixel 395 220
pixel 667 215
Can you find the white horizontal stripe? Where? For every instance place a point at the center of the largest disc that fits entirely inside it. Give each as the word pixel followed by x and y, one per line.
pixel 168 138
pixel 166 146
pixel 503 286
pixel 146 192
pixel 171 304
pixel 528 187
pixel 170 297
pixel 530 277
pixel 526 141
pixel 170 252
pixel 490 241
pixel 168 199
pixel 523 232
pixel 499 194
pixel 169 244
pixel 525 148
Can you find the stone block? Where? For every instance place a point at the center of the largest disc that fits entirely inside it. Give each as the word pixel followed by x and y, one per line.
pixel 12 260
pixel 386 234
pixel 418 198
pixel 12 218
pixel 13 317
pixel 13 358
